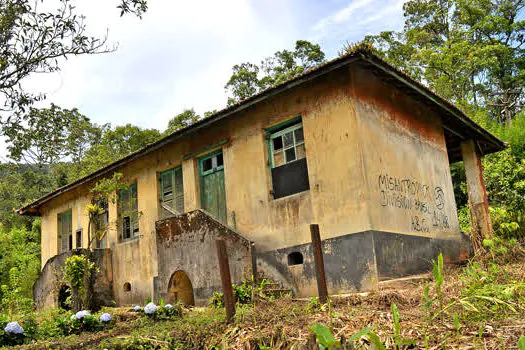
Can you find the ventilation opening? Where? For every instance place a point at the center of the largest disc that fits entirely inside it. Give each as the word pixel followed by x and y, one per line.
pixel 127 287
pixel 295 258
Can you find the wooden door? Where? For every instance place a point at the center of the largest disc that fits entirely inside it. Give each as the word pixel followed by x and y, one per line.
pixel 213 194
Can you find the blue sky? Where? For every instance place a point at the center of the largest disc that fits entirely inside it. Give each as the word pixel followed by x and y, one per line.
pixel 180 54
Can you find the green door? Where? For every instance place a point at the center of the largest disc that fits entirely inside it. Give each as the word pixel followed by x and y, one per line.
pixel 213 195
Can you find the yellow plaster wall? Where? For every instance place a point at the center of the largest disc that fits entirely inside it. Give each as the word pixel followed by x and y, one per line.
pixel 404 143
pixel 349 141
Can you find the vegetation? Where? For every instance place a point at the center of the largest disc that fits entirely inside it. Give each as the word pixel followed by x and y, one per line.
pixel 479 305
pixel 470 52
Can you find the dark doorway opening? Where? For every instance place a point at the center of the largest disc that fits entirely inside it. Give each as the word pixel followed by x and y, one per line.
pixel 180 289
pixel 63 295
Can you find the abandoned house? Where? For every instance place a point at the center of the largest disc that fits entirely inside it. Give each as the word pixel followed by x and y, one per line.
pixel 353 145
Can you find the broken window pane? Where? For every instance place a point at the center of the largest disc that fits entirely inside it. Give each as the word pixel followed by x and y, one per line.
pixel 289 170
pixel 207 164
pixel 299 137
pixel 278 159
pixel 300 151
pixel 126 227
pixel 277 143
pixel 290 155
pixel 288 139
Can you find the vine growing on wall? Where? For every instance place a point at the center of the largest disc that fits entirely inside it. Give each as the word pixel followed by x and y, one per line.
pixel 104 190
pixel 77 274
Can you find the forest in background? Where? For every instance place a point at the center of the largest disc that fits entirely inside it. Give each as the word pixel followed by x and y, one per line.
pixel 470 52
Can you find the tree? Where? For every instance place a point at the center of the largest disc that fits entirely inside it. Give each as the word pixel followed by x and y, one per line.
pixel 35 41
pixel 182 120
pixel 47 136
pixel 469 51
pixel 115 144
pixel 283 65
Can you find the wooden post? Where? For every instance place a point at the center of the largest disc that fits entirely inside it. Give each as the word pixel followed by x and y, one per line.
pixel 253 252
pixel 224 269
pixel 319 263
pixel 477 195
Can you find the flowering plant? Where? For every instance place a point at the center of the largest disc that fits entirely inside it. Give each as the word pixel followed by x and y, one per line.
pixel 137 308
pixel 105 317
pixel 168 306
pixel 14 328
pixel 150 309
pixel 14 334
pixel 81 314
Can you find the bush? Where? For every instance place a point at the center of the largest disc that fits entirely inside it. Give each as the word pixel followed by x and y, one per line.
pixel 242 294
pixel 11 333
pixel 77 272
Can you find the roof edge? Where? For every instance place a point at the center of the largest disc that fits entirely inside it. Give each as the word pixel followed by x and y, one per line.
pixel 432 96
pixel 225 112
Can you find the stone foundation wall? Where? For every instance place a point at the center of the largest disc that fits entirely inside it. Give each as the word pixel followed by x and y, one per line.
pixel 47 287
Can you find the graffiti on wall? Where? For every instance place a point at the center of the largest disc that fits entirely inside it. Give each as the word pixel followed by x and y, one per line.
pixel 424 202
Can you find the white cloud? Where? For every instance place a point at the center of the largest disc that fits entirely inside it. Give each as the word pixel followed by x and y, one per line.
pixel 180 54
pixel 357 19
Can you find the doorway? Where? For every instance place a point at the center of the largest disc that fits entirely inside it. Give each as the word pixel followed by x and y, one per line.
pixel 213 194
pixel 180 289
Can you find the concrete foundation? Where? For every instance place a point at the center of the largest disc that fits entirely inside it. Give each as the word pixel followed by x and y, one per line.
pixel 186 247
pixel 47 289
pixel 357 262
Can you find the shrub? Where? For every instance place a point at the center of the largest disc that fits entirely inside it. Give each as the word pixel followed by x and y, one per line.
pixel 242 294
pixel 77 271
pixel 12 334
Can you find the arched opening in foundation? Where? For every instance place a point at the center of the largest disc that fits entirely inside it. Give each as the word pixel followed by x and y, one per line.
pixel 180 289
pixel 63 294
pixel 127 287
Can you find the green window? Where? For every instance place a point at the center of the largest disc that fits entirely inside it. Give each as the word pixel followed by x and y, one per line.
pixel 171 192
pixel 287 155
pixel 128 212
pixel 65 230
pixel 287 145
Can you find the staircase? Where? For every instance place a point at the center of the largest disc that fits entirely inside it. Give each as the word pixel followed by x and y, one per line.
pixel 270 288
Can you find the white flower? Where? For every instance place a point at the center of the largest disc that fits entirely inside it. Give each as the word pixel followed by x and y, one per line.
pixel 105 317
pixel 14 327
pixel 168 306
pixel 80 315
pixel 73 317
pixel 137 308
pixel 150 308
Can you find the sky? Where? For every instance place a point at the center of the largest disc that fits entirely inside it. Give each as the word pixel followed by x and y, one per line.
pixel 180 54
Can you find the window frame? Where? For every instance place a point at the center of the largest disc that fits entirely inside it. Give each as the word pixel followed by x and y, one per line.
pixel 278 130
pixel 69 241
pixel 133 213
pixel 175 196
pixel 290 129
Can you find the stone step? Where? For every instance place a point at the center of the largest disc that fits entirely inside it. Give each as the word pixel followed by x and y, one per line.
pixel 272 285
pixel 276 292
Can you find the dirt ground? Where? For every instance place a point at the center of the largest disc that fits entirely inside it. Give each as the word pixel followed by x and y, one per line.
pixel 476 312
